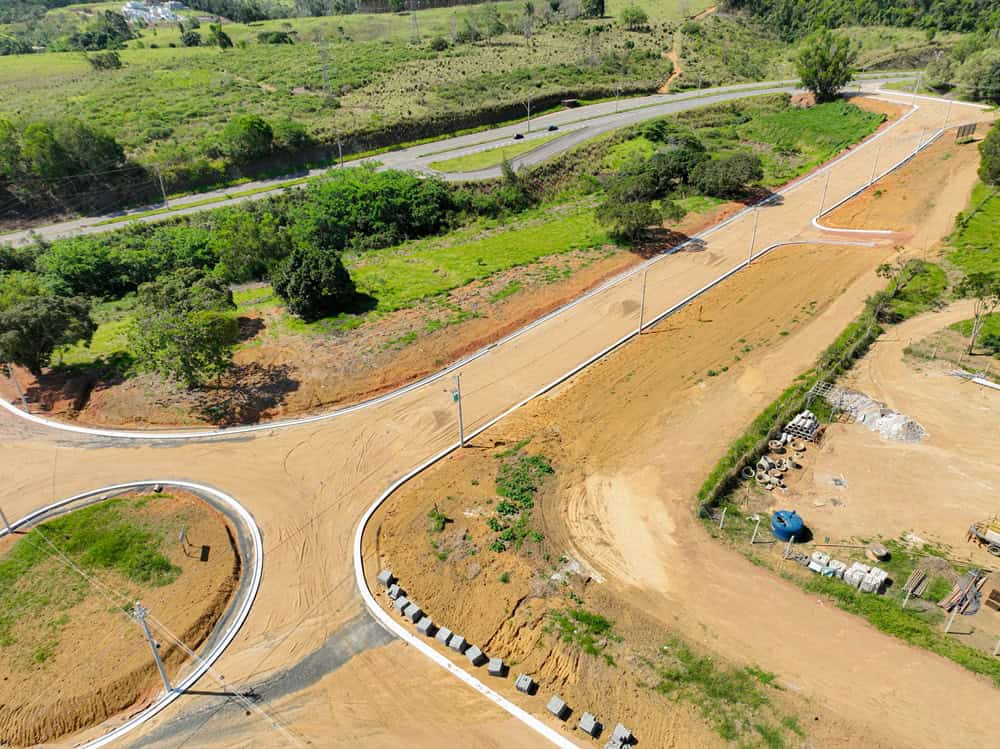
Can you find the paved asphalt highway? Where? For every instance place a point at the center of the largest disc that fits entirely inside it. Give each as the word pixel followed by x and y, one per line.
pixel 577 125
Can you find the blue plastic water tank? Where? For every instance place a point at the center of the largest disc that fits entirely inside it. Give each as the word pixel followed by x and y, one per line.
pixel 785 524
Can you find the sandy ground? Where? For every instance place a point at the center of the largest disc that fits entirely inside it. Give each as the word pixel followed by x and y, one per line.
pixel 102 663
pixel 307 486
pixel 779 311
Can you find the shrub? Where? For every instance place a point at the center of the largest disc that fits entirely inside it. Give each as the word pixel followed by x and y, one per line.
pixel 439 44
pixel 191 39
pixel 633 18
pixel 31 329
pixel 314 283
pixel 989 166
pixel 275 37
pixel 728 176
pixel 247 137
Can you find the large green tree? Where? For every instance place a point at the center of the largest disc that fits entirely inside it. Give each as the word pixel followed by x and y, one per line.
pixel 984 290
pixel 728 176
pixel 826 64
pixel 31 329
pixel 314 283
pixel 184 328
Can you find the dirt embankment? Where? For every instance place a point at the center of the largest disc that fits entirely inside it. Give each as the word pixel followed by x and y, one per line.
pixel 100 664
pixel 508 603
pixel 913 199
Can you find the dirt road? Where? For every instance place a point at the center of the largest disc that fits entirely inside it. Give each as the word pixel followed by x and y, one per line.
pixel 308 485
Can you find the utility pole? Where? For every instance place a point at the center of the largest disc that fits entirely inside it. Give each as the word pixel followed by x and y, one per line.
pixel 456 396
pixel 878 149
pixel 414 31
pixel 920 142
pixel 5 523
pixel 822 198
pixel 642 301
pixel 916 85
pixel 139 613
pixel 618 94
pixel 163 191
pixel 528 105
pixel 753 234
pixel 326 69
pixel 947 114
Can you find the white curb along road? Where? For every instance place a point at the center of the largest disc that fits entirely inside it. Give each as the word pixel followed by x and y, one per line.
pixel 247 593
pixel 182 435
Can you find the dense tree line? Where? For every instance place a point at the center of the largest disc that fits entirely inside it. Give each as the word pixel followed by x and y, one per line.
pixel 47 164
pixel 180 271
pixel 795 18
pixel 105 31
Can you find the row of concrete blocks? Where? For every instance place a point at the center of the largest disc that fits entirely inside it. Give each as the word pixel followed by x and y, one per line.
pixel 621 737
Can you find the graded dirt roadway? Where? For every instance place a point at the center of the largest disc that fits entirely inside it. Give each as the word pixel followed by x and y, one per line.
pixel 307 486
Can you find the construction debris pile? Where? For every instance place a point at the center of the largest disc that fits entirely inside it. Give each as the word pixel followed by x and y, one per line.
pixel 877 417
pixel 621 737
pixel 966 595
pixel 867 579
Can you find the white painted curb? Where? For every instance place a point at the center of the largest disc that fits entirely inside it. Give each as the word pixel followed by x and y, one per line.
pixel 397 628
pixel 205 660
pixel 264 427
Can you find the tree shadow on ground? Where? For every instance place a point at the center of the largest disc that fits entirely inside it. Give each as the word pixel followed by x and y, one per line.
pixel 249 327
pixel 246 393
pixel 75 383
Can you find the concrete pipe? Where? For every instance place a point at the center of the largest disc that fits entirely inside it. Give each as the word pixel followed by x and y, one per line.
pixel 799 446
pixel 781 465
pixel 776 446
pixel 748 472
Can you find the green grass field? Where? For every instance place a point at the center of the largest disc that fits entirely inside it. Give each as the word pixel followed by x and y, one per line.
pixel 491 156
pixel 922 292
pixel 112 537
pixel 976 239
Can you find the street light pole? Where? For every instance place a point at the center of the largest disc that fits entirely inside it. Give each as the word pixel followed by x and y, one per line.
pixel 5 523
pixel 642 301
pixel 139 613
pixel 878 149
pixel 528 105
pixel 753 234
pixel 456 396
pixel 822 198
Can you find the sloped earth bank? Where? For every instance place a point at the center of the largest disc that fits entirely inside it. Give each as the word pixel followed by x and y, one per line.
pixel 913 200
pixel 101 665
pixel 629 440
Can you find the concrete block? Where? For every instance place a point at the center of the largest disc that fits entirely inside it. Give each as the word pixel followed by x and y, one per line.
pixel 426 627
pixel 443 636
pixel 525 684
pixel 458 644
pixel 413 612
pixel 395 592
pixel 496 667
pixel 558 708
pixel 622 735
pixel 386 578
pixel 401 603
pixel 475 655
pixel 590 725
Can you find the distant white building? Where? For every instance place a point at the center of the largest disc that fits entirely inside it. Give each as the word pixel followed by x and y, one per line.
pixel 137 11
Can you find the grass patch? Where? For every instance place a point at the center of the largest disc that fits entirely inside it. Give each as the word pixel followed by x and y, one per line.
pixel 398 277
pixel 976 240
pixel 585 630
pixel 519 477
pixel 491 156
pixel 731 700
pixel 35 586
pixel 922 293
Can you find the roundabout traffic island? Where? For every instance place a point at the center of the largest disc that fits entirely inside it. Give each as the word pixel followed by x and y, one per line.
pixel 71 653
